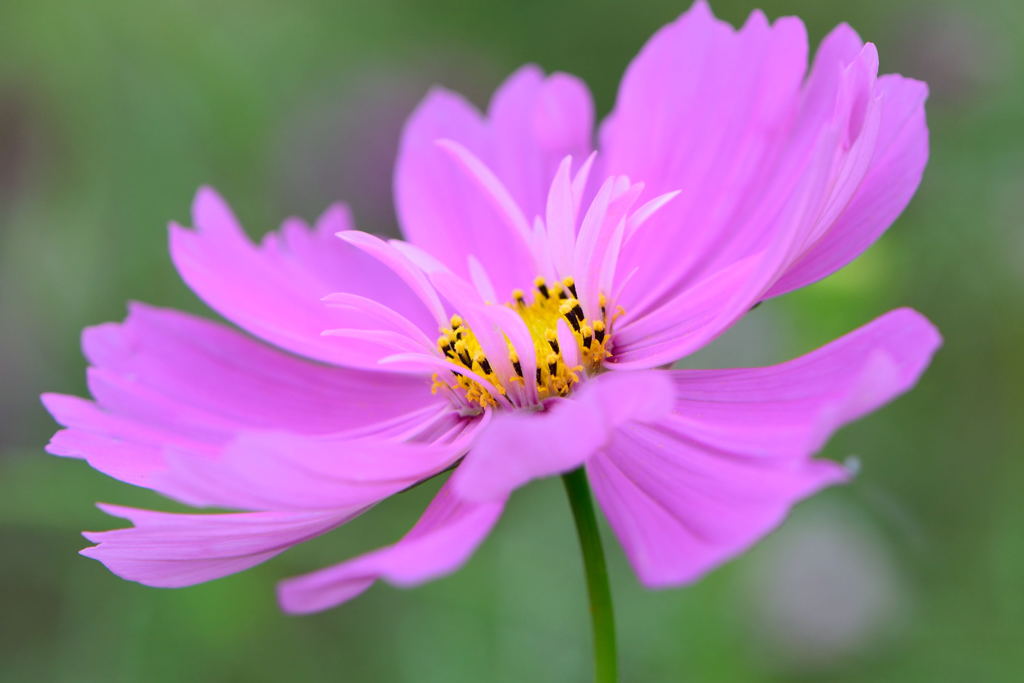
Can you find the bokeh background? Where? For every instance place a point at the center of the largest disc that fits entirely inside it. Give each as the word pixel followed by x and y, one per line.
pixel 113 112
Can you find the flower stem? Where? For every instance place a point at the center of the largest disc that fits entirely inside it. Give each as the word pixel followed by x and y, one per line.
pixel 601 613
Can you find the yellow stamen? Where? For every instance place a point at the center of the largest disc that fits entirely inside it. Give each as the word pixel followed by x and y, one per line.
pixel 553 376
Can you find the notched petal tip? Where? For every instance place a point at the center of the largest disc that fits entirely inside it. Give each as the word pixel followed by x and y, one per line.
pixel 211 212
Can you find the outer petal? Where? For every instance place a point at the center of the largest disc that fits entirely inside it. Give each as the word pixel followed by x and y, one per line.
pixel 167 381
pixel 520 446
pixel 689 319
pixel 260 471
pixel 790 410
pixel 533 122
pixel 173 550
pixel 705 110
pixel 762 160
pixel 222 374
pixel 679 510
pixel 895 173
pixel 273 290
pixel 702 485
pixel 440 542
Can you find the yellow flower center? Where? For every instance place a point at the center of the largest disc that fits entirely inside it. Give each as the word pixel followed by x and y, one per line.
pixel 553 375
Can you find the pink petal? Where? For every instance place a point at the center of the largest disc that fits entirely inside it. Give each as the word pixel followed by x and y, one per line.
pixel 680 510
pixel 690 319
pixel 703 109
pixel 490 186
pixel 520 446
pixel 274 471
pixel 535 123
pixel 398 263
pixel 274 290
pixel 440 542
pixel 790 410
pixel 532 124
pixel 215 371
pixel 700 486
pixel 898 163
pixel 172 550
pixel 760 158
pixel 165 380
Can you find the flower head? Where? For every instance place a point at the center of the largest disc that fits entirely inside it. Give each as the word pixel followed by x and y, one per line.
pixel 521 328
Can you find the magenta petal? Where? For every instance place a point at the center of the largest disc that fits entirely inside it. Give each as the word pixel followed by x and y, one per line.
pixel 703 484
pixel 169 382
pixel 213 370
pixel 536 121
pixel 518 447
pixel 260 471
pixel 440 542
pixel 900 155
pixel 169 550
pixel 760 156
pixel 690 319
pixel 705 110
pixel 679 510
pixel 532 124
pixel 274 290
pixel 790 410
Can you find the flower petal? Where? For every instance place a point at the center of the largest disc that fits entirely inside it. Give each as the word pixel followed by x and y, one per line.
pixel 273 290
pixel 821 167
pixel 680 510
pixel 900 155
pixel 165 380
pixel 532 124
pixel 702 109
pixel 790 410
pixel 440 542
pixel 689 319
pixel 273 471
pixel 698 487
pixel 170 550
pixel 520 446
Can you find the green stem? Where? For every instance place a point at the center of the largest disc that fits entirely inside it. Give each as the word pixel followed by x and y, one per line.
pixel 601 613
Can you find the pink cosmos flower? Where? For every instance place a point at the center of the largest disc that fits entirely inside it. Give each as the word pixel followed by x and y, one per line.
pixel 522 328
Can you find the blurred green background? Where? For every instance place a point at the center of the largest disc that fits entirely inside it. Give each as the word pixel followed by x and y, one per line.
pixel 113 112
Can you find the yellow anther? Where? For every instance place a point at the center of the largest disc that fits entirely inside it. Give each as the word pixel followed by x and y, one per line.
pixel 572 312
pixel 587 334
pixel 462 350
pixel 481 360
pixel 516 365
pixel 551 336
pixel 549 374
pixel 552 362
